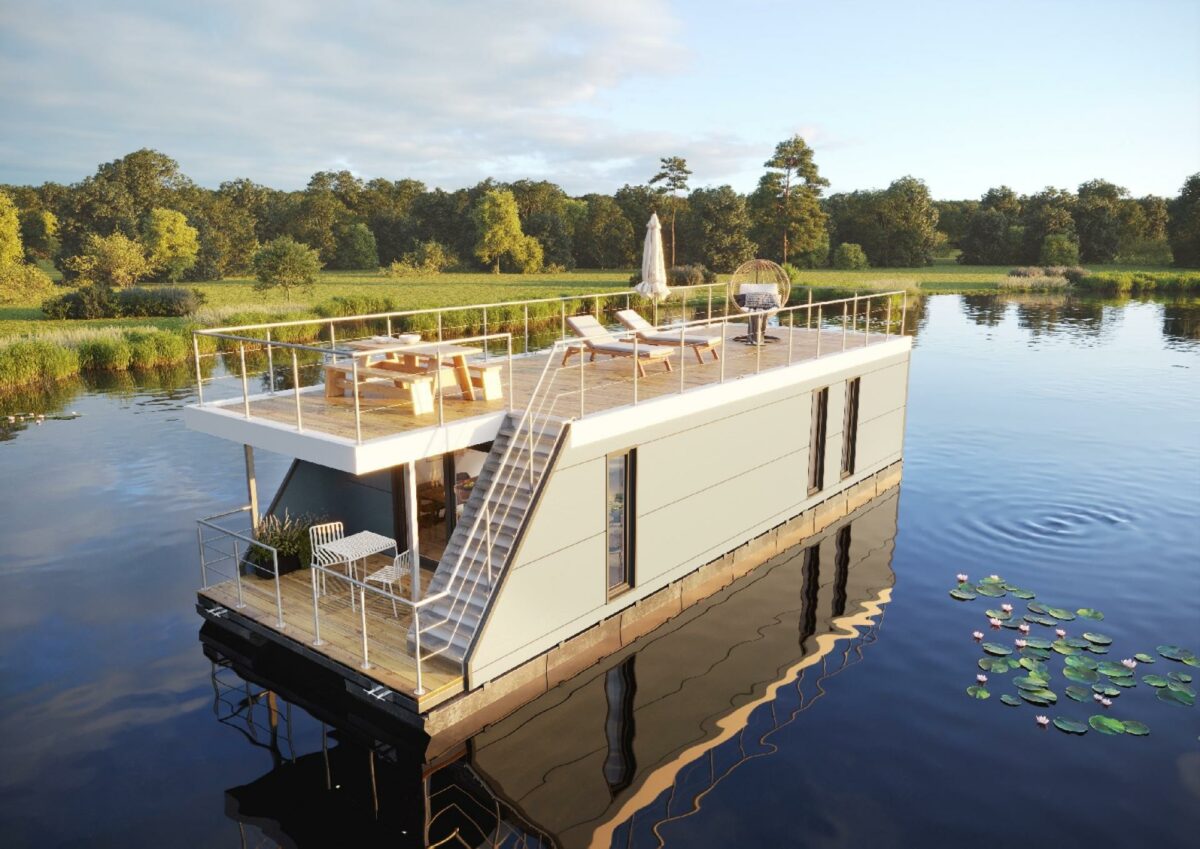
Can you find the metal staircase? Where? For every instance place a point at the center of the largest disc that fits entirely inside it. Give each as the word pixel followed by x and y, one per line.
pixel 486 534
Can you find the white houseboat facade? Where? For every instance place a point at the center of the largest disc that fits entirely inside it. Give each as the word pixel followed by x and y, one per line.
pixel 501 495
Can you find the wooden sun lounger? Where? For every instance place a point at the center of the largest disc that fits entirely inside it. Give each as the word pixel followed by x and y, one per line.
pixel 596 340
pixel 694 338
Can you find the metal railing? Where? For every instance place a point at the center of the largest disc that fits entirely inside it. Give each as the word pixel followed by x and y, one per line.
pixel 223 553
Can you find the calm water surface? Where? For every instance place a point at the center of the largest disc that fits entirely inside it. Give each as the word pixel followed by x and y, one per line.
pixel 1054 442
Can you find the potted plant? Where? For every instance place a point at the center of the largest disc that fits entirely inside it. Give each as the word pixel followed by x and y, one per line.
pixel 288 535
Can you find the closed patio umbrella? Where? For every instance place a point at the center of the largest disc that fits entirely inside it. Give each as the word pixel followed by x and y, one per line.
pixel 654 269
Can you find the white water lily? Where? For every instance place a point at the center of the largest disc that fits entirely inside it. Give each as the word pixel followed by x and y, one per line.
pixel 1060 632
pixel 995 623
pixel 994 577
pixel 1007 608
pixel 978 635
pixel 962 577
pixel 1043 720
pixel 1020 644
pixel 1023 628
pixel 1106 702
pixel 1097 696
pixel 1129 663
pixel 981 678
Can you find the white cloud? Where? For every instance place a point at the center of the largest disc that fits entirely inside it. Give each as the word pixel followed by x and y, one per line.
pixel 448 92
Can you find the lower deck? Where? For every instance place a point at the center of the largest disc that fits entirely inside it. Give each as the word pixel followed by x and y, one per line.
pixel 341 627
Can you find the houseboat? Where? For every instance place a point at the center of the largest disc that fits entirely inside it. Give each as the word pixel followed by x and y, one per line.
pixel 641 738
pixel 490 499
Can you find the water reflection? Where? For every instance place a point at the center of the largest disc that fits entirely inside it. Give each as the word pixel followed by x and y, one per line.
pixel 619 755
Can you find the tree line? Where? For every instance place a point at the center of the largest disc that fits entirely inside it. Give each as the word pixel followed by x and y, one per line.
pixel 140 218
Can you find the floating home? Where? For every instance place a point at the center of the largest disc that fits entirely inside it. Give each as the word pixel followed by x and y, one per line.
pixel 640 739
pixel 502 495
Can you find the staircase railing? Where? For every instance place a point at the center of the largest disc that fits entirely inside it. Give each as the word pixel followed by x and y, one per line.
pixel 507 476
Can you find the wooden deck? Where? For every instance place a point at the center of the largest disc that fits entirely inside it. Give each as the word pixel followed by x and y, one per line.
pixel 391 663
pixel 608 383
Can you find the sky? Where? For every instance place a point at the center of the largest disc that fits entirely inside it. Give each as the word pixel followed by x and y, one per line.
pixel 591 93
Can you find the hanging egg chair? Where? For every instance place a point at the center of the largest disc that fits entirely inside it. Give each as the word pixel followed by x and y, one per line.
pixel 758 288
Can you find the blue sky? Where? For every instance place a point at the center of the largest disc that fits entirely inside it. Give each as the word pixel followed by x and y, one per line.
pixel 964 95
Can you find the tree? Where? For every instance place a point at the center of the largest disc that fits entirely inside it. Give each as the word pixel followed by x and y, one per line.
pixel 355 247
pixel 1045 214
pixel 286 264
pixel 637 203
pixel 1099 221
pixel 1059 249
pixel 849 256
pixel 11 249
pixel 39 233
pixel 953 218
pixel 171 243
pixel 23 283
pixel 792 163
pixel 227 238
pixel 1184 226
pixel 717 227
pixel 110 262
pixel 990 239
pixel 794 227
pixel 500 236
pixel 895 227
pixel 319 213
pixel 673 175
pixel 1002 199
pixel 604 238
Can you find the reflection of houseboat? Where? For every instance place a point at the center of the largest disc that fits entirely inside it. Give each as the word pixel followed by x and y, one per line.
pixel 638 740
pixel 497 514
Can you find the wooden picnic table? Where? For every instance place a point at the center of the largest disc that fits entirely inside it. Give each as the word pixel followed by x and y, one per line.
pixel 422 358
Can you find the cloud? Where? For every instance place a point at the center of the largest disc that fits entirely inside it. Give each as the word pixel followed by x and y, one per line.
pixel 448 92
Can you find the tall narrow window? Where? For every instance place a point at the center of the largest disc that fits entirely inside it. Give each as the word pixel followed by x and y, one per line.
pixel 850 427
pixel 816 440
pixel 619 503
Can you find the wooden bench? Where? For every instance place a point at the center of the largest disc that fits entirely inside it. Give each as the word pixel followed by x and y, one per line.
pixel 486 377
pixel 416 387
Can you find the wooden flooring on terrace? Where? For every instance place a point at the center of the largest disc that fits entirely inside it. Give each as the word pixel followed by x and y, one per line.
pixel 608 383
pixel 341 628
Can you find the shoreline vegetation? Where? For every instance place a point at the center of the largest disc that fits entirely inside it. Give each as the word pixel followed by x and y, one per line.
pixel 35 349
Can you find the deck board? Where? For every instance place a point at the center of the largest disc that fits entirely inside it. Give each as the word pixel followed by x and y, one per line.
pixel 608 384
pixel 341 629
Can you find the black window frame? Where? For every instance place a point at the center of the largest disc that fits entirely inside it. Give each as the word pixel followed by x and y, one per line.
pixel 850 426
pixel 818 431
pixel 629 509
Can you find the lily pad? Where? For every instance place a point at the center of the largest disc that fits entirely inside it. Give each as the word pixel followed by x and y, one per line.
pixel 1012 624
pixel 1166 694
pixel 1180 687
pixel 1061 647
pixel 1142 657
pixel 997 649
pixel 1154 680
pixel 1021 593
pixel 1095 649
pixel 1079 694
pixel 1031 651
pixel 1098 639
pixel 1069 725
pixel 1081 660
pixel 978 691
pixel 1089 613
pixel 997 665
pixel 1080 674
pixel 1039 697
pixel 1137 729
pixel 1033 665
pixel 1030 683
pixel 997 614
pixel 1036 608
pixel 1106 690
pixel 1059 613
pixel 1113 670
pixel 1192 661
pixel 1037 643
pixel 963 595
pixel 1039 620
pixel 1125 681
pixel 1181 677
pixel 990 590
pixel 1107 725
pixel 1176 653
pixel 1010 700
pixel 1077 642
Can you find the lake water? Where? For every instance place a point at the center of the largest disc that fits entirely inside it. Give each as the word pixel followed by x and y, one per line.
pixel 1055 442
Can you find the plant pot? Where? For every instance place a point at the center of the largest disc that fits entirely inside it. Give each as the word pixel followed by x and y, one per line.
pixel 287 563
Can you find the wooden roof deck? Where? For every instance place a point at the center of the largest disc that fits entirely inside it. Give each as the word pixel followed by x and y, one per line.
pixel 608 384
pixel 341 629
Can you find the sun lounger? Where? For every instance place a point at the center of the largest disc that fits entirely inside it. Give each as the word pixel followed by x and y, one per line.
pixel 695 338
pixel 596 340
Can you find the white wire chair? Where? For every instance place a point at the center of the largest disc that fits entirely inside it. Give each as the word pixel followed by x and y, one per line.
pixel 318 536
pixel 391 574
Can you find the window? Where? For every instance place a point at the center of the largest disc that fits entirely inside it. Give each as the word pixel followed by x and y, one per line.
pixel 850 427
pixel 620 507
pixel 816 440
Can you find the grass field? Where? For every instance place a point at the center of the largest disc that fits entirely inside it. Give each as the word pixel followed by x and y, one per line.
pixel 237 293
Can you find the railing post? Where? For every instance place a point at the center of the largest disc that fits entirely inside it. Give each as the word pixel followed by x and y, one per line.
pixel 296 387
pixel 887 327
pixel 867 323
pixel 203 565
pixel 761 337
pixel 709 317
pixel 582 360
pixel 437 384
pixel 389 325
pixel 270 364
pixel 485 335
pixel 635 369
pixel 357 410
pixel 488 535
pixel 237 573
pixel 562 306
pixel 682 358
pixel 791 332
pixel 278 591
pixel 820 321
pixel 597 302
pixel 245 384
pixel 808 321
pixel 526 334
pixel 332 338
pixel 903 313
pixel 509 394
pixel 845 316
pixel 199 375
pixel 439 315
pixel 420 691
pixel 724 350
pixel 362 607
pixel 316 603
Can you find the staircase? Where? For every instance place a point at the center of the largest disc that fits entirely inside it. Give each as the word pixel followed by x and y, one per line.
pixel 491 520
